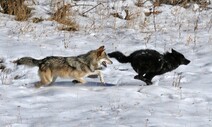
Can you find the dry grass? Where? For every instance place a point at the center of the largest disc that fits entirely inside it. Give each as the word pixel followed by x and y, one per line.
pixel 37 20
pixel 154 12
pixel 140 3
pixel 17 8
pixel 2 66
pixel 128 16
pixel 64 16
pixel 183 3
pixel 23 13
pixel 172 2
pixel 177 80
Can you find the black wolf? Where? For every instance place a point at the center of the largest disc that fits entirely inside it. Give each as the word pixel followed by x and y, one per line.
pixel 149 63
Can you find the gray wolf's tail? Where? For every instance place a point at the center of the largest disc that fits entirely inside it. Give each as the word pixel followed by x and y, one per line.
pixel 119 56
pixel 29 61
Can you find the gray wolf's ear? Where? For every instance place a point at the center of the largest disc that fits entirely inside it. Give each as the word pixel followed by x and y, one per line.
pixel 100 50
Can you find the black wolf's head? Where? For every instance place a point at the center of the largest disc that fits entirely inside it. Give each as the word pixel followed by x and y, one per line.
pixel 119 56
pixel 180 57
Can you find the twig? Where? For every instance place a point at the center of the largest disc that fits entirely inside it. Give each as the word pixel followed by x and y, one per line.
pixel 91 9
pixel 74 5
pixel 81 5
pixel 154 19
pixel 210 24
pixel 139 3
pixel 196 23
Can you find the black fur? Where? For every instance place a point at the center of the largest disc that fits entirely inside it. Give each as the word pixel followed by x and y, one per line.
pixel 149 63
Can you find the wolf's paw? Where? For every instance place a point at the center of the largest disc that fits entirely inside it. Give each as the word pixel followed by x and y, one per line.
pixel 147 81
pixel 38 85
pixel 76 81
pixel 136 77
pixel 103 82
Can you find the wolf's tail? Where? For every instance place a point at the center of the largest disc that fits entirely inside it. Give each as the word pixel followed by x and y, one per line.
pixel 29 61
pixel 119 56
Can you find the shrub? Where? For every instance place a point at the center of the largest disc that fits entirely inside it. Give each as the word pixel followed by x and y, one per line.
pixel 17 8
pixel 64 16
pixel 181 2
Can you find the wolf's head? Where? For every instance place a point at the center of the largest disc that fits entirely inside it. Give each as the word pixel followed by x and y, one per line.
pixel 102 56
pixel 180 57
pixel 119 56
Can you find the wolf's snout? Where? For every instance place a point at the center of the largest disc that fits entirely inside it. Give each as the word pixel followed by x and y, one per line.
pixel 104 64
pixel 186 61
pixel 106 61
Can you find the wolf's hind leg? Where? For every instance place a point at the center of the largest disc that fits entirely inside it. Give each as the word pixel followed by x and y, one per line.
pixel 45 78
pixel 75 81
pixel 79 80
pixel 53 80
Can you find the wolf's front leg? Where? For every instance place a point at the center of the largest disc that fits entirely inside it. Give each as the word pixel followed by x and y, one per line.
pixel 99 73
pixel 140 77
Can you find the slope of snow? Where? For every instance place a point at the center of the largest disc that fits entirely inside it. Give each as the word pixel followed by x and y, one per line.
pixel 181 98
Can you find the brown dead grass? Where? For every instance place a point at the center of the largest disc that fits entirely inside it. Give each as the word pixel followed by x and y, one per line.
pixel 155 12
pixel 17 8
pixel 183 3
pixel 140 3
pixel 37 20
pixel 64 16
pixel 128 16
pixel 23 13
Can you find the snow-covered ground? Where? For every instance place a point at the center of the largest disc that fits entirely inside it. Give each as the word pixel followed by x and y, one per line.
pixel 181 98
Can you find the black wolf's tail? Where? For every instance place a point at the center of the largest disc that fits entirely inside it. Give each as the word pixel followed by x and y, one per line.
pixel 119 56
pixel 29 61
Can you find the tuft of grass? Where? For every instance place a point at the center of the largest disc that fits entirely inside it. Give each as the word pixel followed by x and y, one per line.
pixel 171 2
pixel 62 13
pixel 177 80
pixel 22 13
pixel 64 16
pixel 37 20
pixel 140 3
pixel 128 16
pixel 154 12
pixel 2 66
pixel 17 8
pixel 183 3
pixel 69 28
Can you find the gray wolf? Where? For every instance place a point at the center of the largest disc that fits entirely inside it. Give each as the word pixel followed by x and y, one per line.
pixel 76 67
pixel 149 63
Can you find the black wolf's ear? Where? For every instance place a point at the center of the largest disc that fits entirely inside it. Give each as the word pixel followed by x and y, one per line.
pixel 173 51
pixel 100 50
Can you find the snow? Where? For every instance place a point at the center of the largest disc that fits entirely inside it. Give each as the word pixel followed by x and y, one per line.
pixel 180 98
